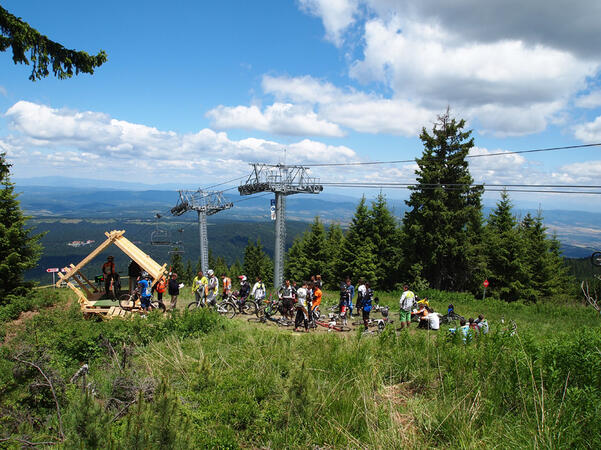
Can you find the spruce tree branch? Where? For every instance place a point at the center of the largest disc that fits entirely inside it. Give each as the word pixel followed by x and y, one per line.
pixel 58 409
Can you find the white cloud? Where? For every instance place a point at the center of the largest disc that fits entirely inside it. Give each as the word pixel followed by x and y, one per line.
pixel 3 91
pixel 590 131
pixel 80 141
pixel 590 100
pixel 279 118
pixel 336 15
pixel 507 70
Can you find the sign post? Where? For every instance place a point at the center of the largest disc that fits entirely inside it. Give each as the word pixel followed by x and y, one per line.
pixel 53 271
pixel 485 284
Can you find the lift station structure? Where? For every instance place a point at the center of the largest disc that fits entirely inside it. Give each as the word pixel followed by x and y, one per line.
pixel 205 203
pixel 283 180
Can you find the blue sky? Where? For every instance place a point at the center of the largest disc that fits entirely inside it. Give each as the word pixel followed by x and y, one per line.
pixel 193 91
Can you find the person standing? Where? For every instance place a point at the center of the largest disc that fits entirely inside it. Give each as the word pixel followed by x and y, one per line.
pixel 360 294
pixel 366 304
pixel 226 282
pixel 287 294
pixel 133 272
pixel 406 303
pixel 316 301
pixel 173 289
pixel 108 271
pixel 145 286
pixel 301 308
pixel 160 287
pixel 351 290
pixel 212 288
pixel 258 291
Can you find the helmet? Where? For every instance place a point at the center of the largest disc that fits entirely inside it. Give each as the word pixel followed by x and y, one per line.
pixel 210 272
pixel 144 275
pixel 110 258
pixel 242 277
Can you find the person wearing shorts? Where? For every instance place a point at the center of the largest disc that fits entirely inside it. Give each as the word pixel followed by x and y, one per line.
pixel 406 303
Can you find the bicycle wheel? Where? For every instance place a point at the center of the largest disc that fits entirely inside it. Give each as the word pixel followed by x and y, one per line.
pixel 155 304
pixel 284 323
pixel 257 319
pixel 249 307
pixel 596 259
pixel 341 328
pixel 226 309
pixel 127 302
pixel 193 305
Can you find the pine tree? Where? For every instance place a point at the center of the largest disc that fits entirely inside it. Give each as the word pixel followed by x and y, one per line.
pixel 176 264
pixel 257 263
pixel 334 243
pixel 387 241
pixel 296 263
pixel 19 249
pixel 548 274
pixel 508 270
pixel 316 250
pixel 359 231
pixel 364 264
pixel 443 225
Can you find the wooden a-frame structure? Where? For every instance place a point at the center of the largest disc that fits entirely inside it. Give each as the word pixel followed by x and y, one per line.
pixel 86 291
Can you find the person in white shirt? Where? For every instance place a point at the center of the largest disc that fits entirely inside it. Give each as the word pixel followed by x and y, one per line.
pixel 434 321
pixel 406 303
pixel 213 287
pixel 301 308
pixel 258 291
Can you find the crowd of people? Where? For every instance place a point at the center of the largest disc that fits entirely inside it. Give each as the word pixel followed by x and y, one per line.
pixel 299 302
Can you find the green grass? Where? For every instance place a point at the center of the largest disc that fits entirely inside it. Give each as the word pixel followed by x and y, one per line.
pixel 198 380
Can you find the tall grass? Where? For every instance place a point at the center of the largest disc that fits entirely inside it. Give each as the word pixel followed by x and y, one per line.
pixel 198 380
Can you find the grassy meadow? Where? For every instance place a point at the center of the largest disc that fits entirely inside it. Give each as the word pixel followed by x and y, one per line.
pixel 197 380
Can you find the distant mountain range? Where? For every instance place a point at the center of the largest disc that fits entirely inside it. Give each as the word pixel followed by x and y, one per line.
pixel 578 231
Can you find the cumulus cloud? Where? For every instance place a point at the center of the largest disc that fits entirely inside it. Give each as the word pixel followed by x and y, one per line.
pixel 279 118
pixel 491 61
pixel 336 15
pixel 589 131
pixel 69 139
pixel 590 100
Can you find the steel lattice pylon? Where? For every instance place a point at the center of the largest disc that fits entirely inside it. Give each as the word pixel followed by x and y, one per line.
pixel 205 203
pixel 283 180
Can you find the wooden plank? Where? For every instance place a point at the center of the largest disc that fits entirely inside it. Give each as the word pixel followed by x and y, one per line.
pixel 82 285
pixel 92 285
pixel 88 258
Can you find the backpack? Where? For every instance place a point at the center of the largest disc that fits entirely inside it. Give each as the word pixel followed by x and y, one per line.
pixel 161 286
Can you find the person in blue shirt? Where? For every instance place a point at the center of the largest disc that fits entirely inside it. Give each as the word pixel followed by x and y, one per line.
pixel 145 286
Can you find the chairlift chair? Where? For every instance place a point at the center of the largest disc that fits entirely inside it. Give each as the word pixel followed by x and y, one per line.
pixel 177 249
pixel 160 236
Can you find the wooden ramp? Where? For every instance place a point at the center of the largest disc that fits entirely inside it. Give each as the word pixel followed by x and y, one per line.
pixel 88 294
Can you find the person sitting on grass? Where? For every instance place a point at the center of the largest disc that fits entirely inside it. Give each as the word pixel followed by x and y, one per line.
pixel 422 314
pixel 482 324
pixel 473 326
pixel 464 330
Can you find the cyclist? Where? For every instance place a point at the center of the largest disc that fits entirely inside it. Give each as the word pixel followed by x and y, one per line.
pixel 301 308
pixel 258 291
pixel 406 304
pixel 287 294
pixel 212 287
pixel 145 285
pixel 226 282
pixel 199 287
pixel 244 291
pixel 345 299
pixel 351 290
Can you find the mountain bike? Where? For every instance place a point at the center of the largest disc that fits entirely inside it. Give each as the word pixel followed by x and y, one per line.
pixel 225 307
pixel 128 302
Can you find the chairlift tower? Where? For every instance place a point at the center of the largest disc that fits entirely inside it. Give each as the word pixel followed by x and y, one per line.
pixel 205 203
pixel 283 180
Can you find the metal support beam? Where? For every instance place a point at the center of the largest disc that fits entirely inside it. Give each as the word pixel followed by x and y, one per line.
pixel 280 239
pixel 283 180
pixel 205 204
pixel 204 241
